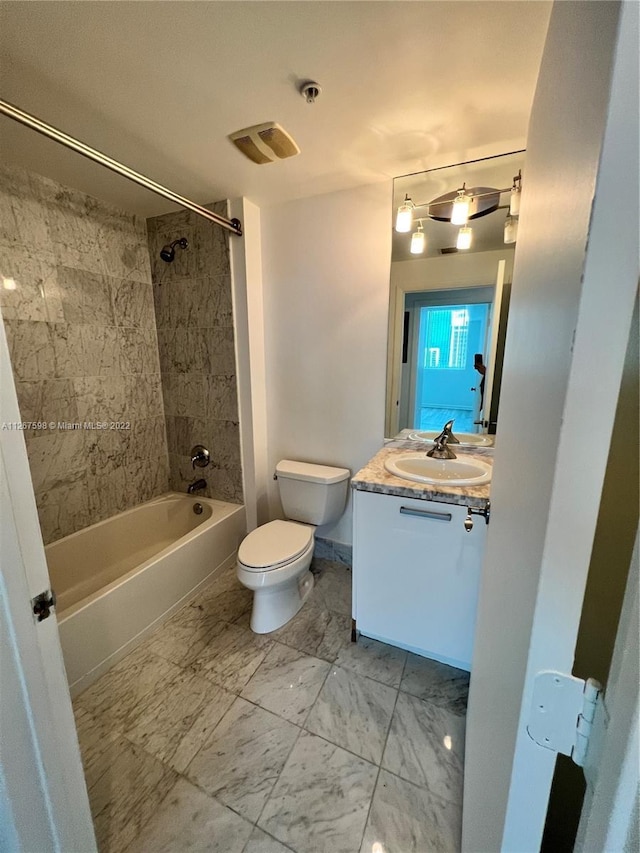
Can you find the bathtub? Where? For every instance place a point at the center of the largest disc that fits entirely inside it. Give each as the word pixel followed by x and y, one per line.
pixel 120 578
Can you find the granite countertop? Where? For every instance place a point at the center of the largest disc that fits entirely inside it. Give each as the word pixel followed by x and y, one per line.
pixel 374 477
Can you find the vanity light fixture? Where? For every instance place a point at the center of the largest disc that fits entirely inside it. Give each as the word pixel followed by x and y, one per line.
pixel 404 217
pixel 511 229
pixel 417 240
pixel 464 238
pixel 460 209
pixel 516 194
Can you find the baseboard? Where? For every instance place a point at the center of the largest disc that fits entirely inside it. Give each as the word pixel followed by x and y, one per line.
pixel 337 552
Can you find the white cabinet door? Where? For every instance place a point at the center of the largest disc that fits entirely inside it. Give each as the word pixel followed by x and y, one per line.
pixel 416 575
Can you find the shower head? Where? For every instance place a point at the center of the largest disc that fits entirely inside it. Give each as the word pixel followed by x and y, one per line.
pixel 168 253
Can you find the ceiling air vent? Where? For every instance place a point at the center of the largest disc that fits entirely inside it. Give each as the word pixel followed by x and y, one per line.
pixel 264 143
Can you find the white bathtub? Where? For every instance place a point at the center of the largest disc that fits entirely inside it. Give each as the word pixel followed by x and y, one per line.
pixel 119 579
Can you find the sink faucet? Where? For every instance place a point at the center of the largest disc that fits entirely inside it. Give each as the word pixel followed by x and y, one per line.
pixel 441 449
pixel 452 438
pixel 196 486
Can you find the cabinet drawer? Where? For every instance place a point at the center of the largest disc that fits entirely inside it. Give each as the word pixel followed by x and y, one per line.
pixel 416 574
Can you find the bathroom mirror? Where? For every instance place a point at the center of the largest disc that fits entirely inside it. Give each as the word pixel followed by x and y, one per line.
pixel 448 305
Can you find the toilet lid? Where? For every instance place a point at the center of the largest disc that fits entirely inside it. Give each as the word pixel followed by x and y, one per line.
pixel 273 544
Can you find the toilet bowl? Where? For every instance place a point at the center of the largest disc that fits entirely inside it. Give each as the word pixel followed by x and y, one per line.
pixel 273 562
pixel 274 559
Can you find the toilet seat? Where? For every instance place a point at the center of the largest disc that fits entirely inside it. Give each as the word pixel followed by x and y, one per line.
pixel 274 545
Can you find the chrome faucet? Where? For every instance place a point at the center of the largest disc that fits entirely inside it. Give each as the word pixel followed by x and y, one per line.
pixel 196 486
pixel 452 438
pixel 441 449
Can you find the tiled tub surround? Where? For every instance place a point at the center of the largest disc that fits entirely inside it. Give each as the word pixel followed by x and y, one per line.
pixel 81 330
pixel 374 477
pixel 210 737
pixel 196 338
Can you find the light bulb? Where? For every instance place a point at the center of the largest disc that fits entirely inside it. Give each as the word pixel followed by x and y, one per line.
pixel 417 241
pixel 510 229
pixel 9 283
pixel 464 238
pixel 460 210
pixel 514 201
pixel 404 217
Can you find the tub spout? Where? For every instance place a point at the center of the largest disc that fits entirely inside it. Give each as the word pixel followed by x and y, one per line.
pixel 196 486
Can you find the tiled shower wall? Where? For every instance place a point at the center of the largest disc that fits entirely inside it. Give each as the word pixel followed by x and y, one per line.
pixel 81 330
pixel 196 340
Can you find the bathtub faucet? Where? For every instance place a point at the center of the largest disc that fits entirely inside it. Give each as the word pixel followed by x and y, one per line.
pixel 196 486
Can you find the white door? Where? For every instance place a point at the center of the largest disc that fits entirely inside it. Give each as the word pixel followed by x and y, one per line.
pixel 44 804
pixel 610 819
pixel 586 431
pixel 574 286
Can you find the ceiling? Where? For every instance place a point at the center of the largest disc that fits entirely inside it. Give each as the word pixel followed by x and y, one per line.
pixel 406 86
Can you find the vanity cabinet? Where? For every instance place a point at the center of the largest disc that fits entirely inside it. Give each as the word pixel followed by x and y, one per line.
pixel 416 574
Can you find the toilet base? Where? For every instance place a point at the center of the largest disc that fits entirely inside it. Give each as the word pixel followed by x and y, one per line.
pixel 274 606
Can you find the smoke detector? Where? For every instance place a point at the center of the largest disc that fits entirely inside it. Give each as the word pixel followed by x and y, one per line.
pixel 265 143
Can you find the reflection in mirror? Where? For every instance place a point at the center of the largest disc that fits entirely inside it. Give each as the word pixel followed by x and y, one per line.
pixel 449 296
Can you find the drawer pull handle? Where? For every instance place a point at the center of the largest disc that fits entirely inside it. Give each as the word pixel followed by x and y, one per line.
pixel 425 513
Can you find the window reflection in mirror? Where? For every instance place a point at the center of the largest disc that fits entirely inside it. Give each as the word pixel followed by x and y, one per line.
pixel 448 306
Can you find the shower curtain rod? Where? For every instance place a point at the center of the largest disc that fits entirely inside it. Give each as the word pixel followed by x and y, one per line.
pixel 11 111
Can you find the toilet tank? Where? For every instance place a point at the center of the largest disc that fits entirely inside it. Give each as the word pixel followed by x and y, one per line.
pixel 315 494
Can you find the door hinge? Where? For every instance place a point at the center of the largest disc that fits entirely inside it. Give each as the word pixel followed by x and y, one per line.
pixel 562 712
pixel 41 605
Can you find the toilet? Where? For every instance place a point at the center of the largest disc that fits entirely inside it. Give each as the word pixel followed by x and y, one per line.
pixel 274 559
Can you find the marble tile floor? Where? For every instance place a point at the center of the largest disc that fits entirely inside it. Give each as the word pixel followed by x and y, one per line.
pixel 211 738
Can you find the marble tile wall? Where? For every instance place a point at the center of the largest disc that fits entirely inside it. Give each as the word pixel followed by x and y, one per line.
pixel 81 330
pixel 194 318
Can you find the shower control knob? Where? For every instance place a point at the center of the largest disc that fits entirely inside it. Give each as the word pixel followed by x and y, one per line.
pixel 200 456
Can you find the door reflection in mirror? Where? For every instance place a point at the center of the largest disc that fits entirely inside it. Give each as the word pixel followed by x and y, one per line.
pixel 439 379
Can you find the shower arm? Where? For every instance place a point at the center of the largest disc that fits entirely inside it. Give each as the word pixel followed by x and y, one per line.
pixel 28 120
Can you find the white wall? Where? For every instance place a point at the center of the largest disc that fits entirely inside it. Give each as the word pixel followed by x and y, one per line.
pixel 248 311
pixel 326 264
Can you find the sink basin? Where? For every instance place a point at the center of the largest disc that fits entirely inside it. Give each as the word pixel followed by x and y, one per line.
pixel 445 472
pixel 477 439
